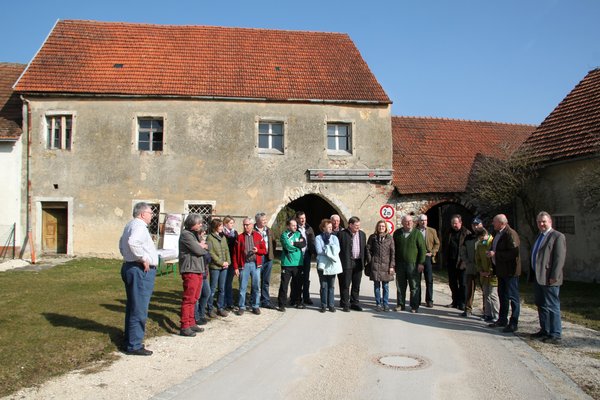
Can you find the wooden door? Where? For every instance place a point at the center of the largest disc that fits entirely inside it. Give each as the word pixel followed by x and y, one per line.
pixel 54 230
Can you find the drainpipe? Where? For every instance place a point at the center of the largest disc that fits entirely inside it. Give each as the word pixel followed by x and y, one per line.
pixel 27 106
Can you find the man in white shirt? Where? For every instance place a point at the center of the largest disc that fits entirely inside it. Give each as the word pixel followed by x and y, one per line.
pixel 140 259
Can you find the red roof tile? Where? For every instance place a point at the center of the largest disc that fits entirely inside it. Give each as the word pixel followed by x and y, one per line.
pixel 435 155
pixel 93 57
pixel 11 116
pixel 573 128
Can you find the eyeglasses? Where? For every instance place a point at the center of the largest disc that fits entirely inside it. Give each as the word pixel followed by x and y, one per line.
pixel 246 224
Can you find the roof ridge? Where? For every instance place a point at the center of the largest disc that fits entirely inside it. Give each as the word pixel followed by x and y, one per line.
pixel 198 26
pixel 460 120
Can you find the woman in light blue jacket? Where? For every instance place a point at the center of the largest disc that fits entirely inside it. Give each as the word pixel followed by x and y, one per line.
pixel 328 263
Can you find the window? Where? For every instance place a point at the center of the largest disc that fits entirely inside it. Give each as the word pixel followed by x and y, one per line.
pixel 205 211
pixel 60 129
pixel 153 225
pixel 150 134
pixel 564 223
pixel 339 138
pixel 270 136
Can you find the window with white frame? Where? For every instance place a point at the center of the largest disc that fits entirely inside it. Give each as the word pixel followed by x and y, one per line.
pixel 153 225
pixel 339 137
pixel 59 131
pixel 270 136
pixel 150 133
pixel 205 211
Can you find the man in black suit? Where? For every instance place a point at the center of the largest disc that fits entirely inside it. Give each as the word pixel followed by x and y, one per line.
pixel 352 254
pixel 547 261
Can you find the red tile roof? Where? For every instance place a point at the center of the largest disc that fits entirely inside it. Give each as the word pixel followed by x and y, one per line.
pixel 11 116
pixel 435 155
pixel 573 128
pixel 93 57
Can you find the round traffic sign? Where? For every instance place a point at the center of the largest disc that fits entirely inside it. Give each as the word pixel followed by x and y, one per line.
pixel 387 211
pixel 390 226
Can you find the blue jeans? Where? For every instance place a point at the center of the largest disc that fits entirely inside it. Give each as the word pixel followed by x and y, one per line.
pixel 327 283
pixel 217 277
pixel 386 293
pixel 548 304
pixel 508 292
pixel 265 281
pixel 250 270
pixel 203 300
pixel 138 287
pixel 229 286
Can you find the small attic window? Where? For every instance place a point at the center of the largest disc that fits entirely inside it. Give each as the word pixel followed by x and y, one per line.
pixel 118 66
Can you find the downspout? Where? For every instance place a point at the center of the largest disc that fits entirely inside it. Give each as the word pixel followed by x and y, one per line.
pixel 27 113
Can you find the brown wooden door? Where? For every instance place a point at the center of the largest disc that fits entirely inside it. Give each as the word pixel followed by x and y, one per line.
pixel 54 230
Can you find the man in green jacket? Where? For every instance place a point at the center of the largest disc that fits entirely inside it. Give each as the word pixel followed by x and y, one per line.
pixel 292 243
pixel 410 256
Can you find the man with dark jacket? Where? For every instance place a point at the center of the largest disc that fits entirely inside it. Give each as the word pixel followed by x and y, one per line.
pixel 410 256
pixel 547 261
pixel 507 267
pixel 454 240
pixel 309 236
pixel 353 243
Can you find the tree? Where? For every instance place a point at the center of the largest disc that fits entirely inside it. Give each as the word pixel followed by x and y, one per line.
pixel 587 187
pixel 498 182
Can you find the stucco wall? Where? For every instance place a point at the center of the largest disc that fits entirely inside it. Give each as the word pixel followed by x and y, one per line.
pixel 10 195
pixel 583 248
pixel 210 152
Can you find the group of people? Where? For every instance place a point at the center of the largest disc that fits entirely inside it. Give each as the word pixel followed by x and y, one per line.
pixel 209 261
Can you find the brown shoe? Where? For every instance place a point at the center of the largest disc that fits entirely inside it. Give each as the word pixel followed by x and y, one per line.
pixel 222 313
pixel 429 304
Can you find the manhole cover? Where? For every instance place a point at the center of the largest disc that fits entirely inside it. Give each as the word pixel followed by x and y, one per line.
pixel 402 361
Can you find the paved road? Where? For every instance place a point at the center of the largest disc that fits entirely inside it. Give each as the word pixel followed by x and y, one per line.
pixel 436 354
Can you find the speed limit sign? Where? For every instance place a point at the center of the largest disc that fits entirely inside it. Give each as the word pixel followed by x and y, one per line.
pixel 387 211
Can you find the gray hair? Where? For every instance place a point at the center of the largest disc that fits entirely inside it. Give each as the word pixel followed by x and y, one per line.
pixel 259 215
pixel 192 220
pixel 139 208
pixel 501 218
pixel 406 217
pixel 543 214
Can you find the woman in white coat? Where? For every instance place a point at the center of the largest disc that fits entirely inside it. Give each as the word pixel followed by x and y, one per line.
pixel 328 263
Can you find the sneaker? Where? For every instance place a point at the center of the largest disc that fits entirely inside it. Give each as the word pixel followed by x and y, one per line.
pixel 196 328
pixel 385 309
pixel 256 311
pixel 187 332
pixel 378 308
pixel 400 308
pixel 323 309
pixel 332 309
pixel 465 314
pixel 414 310
pixel 212 314
pixel 142 351
pixel 222 313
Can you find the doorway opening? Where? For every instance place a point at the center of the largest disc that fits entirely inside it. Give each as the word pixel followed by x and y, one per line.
pixel 315 207
pixel 55 227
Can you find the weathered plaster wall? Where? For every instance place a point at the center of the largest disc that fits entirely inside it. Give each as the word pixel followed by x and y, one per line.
pixel 10 195
pixel 555 185
pixel 210 152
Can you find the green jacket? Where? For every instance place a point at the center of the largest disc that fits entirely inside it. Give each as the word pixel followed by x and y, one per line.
pixel 291 256
pixel 219 250
pixel 410 249
pixel 483 263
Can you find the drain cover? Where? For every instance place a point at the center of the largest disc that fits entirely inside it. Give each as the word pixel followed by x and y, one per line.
pixel 402 361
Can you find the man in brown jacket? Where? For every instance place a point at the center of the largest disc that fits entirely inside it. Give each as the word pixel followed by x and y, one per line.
pixel 432 243
pixel 507 266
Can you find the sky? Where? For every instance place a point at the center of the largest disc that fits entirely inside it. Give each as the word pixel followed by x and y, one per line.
pixel 503 61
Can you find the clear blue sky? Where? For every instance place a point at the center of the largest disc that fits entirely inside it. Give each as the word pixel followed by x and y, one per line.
pixel 505 61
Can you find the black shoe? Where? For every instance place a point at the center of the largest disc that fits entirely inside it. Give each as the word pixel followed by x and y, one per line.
pixel 308 302
pixel 385 308
pixel 488 318
pixel 356 307
pixel 187 332
pixel 378 308
pixel 269 306
pixel 552 340
pixel 461 307
pixel 465 314
pixel 240 312
pixel 498 324
pixel 538 335
pixel 300 306
pixel 323 309
pixel 346 309
pixel 201 321
pixel 414 310
pixel 142 351
pixel 510 329
pixel 400 308
pixel 196 328
pixel 256 311
pixel 451 305
pixel 332 309
pixel 281 309
pixel 429 304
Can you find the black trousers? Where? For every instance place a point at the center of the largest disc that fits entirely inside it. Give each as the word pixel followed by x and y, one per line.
pixel 289 274
pixel 305 282
pixel 457 280
pixel 349 281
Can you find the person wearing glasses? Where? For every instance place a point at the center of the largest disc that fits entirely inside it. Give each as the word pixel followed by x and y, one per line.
pixel 138 272
pixel 247 259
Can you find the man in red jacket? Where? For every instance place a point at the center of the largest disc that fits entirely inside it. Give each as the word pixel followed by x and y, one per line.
pixel 247 260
